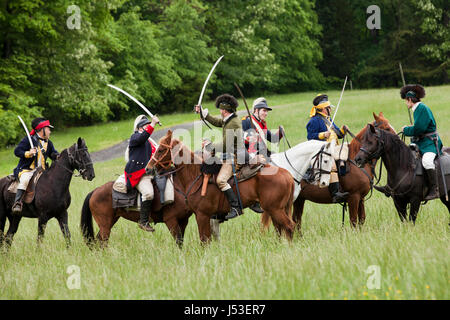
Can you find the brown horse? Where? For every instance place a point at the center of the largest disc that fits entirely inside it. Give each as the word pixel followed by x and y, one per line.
pixel 98 204
pixel 273 191
pixel 357 182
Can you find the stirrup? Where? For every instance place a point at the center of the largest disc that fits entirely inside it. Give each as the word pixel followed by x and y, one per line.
pixel 234 212
pixel 146 227
pixel 17 207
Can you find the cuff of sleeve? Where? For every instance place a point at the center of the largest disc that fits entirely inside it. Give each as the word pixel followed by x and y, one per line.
pixel 204 113
pixel 28 154
pixel 321 136
pixel 149 129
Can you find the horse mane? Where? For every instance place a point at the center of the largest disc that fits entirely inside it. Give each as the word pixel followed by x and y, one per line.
pixel 355 144
pixel 195 159
pixel 402 152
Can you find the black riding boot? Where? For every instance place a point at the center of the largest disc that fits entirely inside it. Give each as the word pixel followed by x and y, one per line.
pixel 146 206
pixel 336 195
pixel 234 204
pixel 433 191
pixel 257 207
pixel 17 207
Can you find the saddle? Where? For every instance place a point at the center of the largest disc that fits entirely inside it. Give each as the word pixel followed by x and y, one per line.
pixel 211 171
pixel 444 160
pixel 130 199
pixel 31 188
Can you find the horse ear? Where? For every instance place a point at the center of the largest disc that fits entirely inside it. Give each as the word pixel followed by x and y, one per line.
pixel 80 142
pixel 375 116
pixel 169 134
pixel 372 128
pixel 381 115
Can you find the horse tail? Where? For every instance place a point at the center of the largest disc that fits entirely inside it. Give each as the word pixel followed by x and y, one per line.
pixel 86 221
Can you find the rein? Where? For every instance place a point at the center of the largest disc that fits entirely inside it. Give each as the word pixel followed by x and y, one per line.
pixel 74 161
pixel 377 154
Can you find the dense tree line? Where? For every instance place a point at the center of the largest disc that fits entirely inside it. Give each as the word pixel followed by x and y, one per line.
pixel 56 65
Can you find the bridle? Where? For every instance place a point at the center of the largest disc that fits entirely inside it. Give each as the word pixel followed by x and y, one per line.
pixel 81 166
pixel 380 147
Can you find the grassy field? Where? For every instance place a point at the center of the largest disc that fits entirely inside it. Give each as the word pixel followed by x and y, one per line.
pixel 328 262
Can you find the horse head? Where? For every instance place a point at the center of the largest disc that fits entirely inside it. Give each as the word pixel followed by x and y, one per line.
pixel 80 159
pixel 372 145
pixel 162 158
pixel 324 162
pixel 382 123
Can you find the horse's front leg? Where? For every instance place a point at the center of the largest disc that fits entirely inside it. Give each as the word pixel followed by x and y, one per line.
pixel 13 226
pixel 204 228
pixel 42 224
pixel 64 226
pixel 400 205
pixel 413 210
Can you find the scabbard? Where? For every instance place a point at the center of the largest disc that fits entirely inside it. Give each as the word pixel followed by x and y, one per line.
pixel 237 186
pixel 436 143
pixel 206 177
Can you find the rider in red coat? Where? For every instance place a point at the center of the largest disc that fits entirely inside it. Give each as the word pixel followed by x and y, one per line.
pixel 140 153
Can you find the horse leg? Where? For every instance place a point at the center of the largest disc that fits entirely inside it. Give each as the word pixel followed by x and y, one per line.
pixel 215 229
pixel 413 210
pixel 401 208
pixel 204 228
pixel 175 230
pixel 64 226
pixel 361 213
pixel 353 209
pixel 299 205
pixel 2 225
pixel 183 224
pixel 13 226
pixel 105 230
pixel 42 223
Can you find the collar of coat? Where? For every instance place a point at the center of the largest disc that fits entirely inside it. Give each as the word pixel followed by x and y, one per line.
pixel 228 119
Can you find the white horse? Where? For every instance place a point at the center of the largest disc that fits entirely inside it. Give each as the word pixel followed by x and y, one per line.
pixel 297 160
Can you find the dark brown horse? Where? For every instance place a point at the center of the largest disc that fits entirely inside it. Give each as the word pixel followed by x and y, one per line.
pixel 273 191
pixel 357 182
pixel 98 204
pixel 403 184
pixel 52 196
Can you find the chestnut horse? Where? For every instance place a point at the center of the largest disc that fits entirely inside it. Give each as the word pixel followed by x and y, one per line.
pixel 273 191
pixel 98 204
pixel 356 182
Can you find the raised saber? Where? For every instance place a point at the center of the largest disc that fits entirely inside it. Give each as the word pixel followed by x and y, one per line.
pixel 134 99
pixel 28 133
pixel 340 98
pixel 138 103
pixel 250 116
pixel 404 84
pixel 204 88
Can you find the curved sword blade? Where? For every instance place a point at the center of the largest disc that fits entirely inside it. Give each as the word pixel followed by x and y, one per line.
pixel 26 130
pixel 207 79
pixel 337 108
pixel 134 99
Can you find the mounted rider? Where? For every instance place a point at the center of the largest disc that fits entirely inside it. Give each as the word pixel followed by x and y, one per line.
pixel 140 153
pixel 320 128
pixel 32 157
pixel 231 132
pixel 424 134
pixel 253 140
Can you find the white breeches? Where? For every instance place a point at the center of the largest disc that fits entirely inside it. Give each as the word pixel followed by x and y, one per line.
pixel 24 179
pixel 145 187
pixel 428 160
